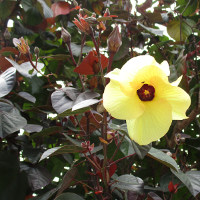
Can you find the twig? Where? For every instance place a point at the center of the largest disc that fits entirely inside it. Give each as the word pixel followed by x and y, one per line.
pixel 116 150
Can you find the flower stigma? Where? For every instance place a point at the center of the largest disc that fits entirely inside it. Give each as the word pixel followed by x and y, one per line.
pixel 146 92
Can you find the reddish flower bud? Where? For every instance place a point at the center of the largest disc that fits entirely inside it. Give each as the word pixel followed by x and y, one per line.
pixel 22 45
pixel 83 25
pixel 86 145
pixel 107 13
pixel 65 35
pixel 114 40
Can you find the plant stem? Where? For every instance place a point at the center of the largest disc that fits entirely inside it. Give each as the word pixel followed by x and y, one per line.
pixel 99 59
pixel 104 135
pixel 110 61
pixel 116 161
pixel 116 150
pixel 75 64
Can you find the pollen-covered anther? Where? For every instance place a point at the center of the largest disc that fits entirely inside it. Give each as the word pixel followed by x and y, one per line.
pixel 146 92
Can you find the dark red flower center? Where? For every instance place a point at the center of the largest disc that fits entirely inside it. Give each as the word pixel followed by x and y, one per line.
pixel 146 92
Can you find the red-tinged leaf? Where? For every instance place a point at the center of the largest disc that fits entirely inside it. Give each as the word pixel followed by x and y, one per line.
pixel 60 8
pixel 89 64
pixel 153 196
pixel 51 20
pixel 98 7
pixel 112 169
pixel 103 141
pixel 144 6
pixel 29 196
pixel 93 82
pixel 172 188
pixel 93 120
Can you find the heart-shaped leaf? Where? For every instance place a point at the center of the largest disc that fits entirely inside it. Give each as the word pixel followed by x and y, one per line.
pixel 190 179
pixel 69 195
pixel 24 68
pixel 10 119
pixel 63 99
pixel 7 81
pixel 163 158
pixel 27 96
pixel 129 182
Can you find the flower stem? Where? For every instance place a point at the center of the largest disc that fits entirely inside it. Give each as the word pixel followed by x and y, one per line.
pixel 110 61
pixel 104 168
pixel 75 64
pixel 116 150
pixel 99 59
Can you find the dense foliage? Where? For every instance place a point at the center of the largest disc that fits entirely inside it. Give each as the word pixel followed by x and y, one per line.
pixel 56 139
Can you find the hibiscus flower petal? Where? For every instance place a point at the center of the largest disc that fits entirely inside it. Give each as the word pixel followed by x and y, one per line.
pixel 152 124
pixel 176 83
pixel 120 105
pixel 165 67
pixel 179 101
pixel 130 68
pixel 175 96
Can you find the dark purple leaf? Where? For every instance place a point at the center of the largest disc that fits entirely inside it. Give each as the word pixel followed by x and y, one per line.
pixel 129 182
pixel 67 179
pixel 31 128
pixel 10 119
pixel 7 81
pixel 63 99
pixel 69 195
pixel 26 67
pixel 153 196
pixel 27 96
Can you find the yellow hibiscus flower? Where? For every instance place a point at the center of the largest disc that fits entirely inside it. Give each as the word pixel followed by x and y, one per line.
pixel 141 94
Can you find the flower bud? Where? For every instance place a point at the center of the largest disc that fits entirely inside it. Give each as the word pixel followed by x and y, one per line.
pixel 7 34
pixel 65 35
pixel 75 3
pixel 107 13
pixel 36 51
pixel 114 40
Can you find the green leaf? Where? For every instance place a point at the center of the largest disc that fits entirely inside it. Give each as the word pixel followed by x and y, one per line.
pixel 33 17
pixel 187 7
pixel 163 158
pixel 180 31
pixel 190 179
pixel 128 146
pixel 6 8
pixel 69 195
pixel 10 119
